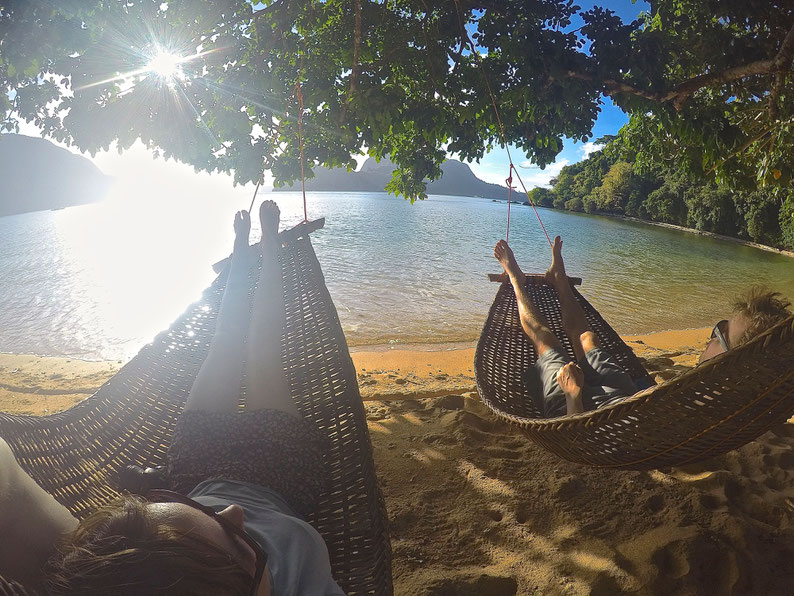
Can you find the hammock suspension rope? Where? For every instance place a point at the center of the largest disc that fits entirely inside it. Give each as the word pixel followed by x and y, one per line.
pixel 299 95
pixel 509 180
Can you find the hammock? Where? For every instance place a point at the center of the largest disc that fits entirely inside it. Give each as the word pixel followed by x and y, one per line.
pixel 77 455
pixel 714 408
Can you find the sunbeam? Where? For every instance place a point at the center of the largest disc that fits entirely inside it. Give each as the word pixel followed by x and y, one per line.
pixel 161 63
pixel 166 64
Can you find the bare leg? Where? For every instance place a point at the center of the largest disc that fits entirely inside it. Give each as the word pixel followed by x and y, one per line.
pixel 531 320
pixel 573 318
pixel 217 385
pixel 267 383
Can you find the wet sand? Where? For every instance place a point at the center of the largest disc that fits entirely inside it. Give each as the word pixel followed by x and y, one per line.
pixel 477 508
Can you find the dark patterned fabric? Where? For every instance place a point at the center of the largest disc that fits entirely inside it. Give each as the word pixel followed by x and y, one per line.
pixel 266 447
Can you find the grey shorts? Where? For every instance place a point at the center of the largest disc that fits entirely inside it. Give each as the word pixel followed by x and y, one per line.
pixel 604 381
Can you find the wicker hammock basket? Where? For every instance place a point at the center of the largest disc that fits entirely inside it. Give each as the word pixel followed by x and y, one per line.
pixel 76 455
pixel 716 407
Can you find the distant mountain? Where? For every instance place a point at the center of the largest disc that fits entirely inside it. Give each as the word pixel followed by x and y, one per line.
pixel 456 179
pixel 36 175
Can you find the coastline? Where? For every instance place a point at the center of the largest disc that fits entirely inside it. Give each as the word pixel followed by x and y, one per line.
pixel 750 243
pixel 660 224
pixel 39 385
pixel 475 507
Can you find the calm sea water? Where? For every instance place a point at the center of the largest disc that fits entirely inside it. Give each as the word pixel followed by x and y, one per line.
pixel 99 281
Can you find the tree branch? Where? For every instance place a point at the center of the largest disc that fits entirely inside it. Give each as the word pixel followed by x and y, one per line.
pixel 612 86
pixel 679 94
pixel 740 150
pixel 780 63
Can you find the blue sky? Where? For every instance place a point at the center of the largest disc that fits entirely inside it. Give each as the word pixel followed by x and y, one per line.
pixel 494 166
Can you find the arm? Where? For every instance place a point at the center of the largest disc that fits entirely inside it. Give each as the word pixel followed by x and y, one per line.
pixel 31 522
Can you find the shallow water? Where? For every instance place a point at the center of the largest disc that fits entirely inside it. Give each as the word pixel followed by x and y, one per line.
pixel 100 281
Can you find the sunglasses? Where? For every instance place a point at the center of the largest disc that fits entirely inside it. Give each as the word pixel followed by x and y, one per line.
pixel 167 496
pixel 719 332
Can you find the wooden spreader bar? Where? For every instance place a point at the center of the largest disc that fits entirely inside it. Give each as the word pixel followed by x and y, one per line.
pixel 535 277
pixel 302 229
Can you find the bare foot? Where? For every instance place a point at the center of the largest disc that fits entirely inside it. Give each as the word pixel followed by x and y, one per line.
pixel 571 380
pixel 242 228
pixel 269 217
pixel 556 272
pixel 504 254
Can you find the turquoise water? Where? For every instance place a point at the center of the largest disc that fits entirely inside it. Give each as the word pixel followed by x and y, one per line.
pixel 100 281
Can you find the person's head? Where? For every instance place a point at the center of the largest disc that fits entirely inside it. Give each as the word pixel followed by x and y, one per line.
pixel 754 312
pixel 141 548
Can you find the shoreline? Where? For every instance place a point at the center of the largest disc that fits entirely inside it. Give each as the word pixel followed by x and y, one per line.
pixel 40 385
pixel 660 224
pixel 750 243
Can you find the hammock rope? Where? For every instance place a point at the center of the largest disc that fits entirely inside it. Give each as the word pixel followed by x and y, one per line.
pixel 269 156
pixel 478 58
pixel 299 95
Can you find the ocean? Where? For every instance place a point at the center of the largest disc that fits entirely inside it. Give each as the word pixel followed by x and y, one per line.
pixel 99 281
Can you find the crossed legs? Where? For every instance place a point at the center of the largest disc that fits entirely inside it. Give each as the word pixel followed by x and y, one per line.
pixel 217 385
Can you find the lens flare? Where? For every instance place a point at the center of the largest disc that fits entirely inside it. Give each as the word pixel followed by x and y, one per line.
pixel 165 64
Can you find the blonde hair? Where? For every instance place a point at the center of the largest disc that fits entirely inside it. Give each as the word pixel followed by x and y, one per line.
pixel 763 309
pixel 122 550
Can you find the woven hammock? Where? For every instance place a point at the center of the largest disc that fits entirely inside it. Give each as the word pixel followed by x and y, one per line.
pixel 714 408
pixel 77 455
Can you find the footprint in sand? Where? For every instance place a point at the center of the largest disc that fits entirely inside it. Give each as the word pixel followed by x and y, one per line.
pixel 701 561
pixel 570 488
pixel 480 585
pixel 655 503
pixel 494 515
pixel 710 502
pixel 449 402
pixel 502 453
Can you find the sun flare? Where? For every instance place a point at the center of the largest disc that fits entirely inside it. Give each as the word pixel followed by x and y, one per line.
pixel 165 64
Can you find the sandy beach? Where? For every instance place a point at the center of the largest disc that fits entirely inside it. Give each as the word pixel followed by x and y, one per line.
pixel 477 508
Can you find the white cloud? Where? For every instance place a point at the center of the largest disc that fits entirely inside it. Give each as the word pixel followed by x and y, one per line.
pixel 590 147
pixel 489 173
pixel 533 176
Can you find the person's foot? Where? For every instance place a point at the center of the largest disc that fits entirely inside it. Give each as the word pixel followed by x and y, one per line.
pixel 242 228
pixel 269 218
pixel 570 378
pixel 556 271
pixel 504 254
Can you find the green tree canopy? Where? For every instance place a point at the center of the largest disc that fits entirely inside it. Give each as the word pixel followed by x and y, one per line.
pixel 707 81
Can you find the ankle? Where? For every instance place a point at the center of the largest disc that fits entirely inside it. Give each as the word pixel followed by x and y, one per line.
pixel 573 402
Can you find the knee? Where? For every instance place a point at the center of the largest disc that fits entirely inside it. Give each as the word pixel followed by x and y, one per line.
pixel 589 341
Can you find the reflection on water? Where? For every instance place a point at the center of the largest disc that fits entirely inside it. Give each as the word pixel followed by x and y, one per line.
pixel 99 281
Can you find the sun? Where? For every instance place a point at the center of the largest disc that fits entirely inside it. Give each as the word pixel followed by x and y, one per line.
pixel 165 64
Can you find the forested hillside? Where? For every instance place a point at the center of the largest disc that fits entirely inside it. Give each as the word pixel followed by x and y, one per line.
pixel 39 175
pixel 610 182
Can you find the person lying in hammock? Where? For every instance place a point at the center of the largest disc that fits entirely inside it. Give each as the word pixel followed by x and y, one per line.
pixel 245 478
pixel 595 379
